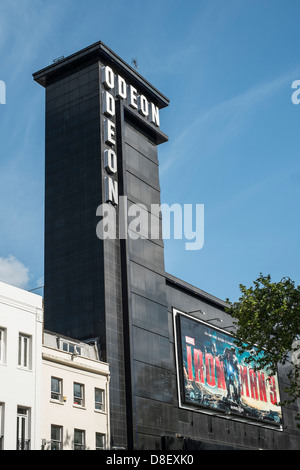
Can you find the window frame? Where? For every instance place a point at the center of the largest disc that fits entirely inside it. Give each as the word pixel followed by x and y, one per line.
pixel 101 404
pixel 100 434
pixel 79 399
pixel 24 351
pixel 60 392
pixel 55 441
pixel 71 348
pixel 23 427
pixel 2 411
pixel 2 345
pixel 80 445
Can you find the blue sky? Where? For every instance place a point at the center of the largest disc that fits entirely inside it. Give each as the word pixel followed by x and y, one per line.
pixel 227 68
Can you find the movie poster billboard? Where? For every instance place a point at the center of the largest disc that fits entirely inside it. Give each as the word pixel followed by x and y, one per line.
pixel 214 375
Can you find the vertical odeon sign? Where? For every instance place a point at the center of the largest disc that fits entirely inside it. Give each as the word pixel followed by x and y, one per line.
pixel 115 87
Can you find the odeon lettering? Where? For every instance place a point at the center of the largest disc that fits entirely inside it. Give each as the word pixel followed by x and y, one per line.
pixel 116 87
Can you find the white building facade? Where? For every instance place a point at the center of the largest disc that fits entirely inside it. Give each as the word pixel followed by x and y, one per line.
pixel 21 328
pixel 54 391
pixel 75 396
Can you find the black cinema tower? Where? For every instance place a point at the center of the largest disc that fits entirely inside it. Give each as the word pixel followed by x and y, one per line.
pixel 116 291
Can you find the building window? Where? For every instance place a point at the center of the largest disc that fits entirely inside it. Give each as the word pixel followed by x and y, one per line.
pixel 2 345
pixel 23 442
pixel 24 351
pixel 78 394
pixel 99 399
pixel 79 439
pixel 56 437
pixel 1 425
pixel 100 441
pixel 71 348
pixel 56 389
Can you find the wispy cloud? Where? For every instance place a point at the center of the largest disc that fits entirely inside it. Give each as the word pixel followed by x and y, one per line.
pixel 30 24
pixel 225 120
pixel 206 24
pixel 13 271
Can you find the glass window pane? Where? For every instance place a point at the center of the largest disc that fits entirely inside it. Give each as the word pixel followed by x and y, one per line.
pixel 55 445
pixel 56 437
pixel 78 394
pixel 25 351
pixel 54 384
pixel 100 441
pixel 20 351
pixel 78 439
pixel 99 399
pixel 77 390
pixel 1 345
pixel 55 388
pixel 55 433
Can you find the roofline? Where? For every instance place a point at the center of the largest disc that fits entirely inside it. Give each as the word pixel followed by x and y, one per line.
pixel 99 50
pixel 195 291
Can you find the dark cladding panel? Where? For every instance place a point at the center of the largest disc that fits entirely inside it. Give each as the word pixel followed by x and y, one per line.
pixel 73 258
pixel 153 382
pixel 142 167
pixel 155 418
pixel 152 358
pixel 147 281
pixel 149 315
pixel 151 348
pixel 140 143
pixel 145 248
pixel 141 192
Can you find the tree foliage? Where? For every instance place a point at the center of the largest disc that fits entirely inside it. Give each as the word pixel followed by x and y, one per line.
pixel 267 318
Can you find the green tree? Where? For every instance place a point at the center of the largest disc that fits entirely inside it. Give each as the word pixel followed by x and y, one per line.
pixel 267 318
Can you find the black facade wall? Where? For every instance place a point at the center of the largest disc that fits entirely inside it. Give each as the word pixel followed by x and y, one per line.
pixel 213 429
pixel 72 189
pixel 87 291
pixel 151 361
pixel 82 273
pixel 117 290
